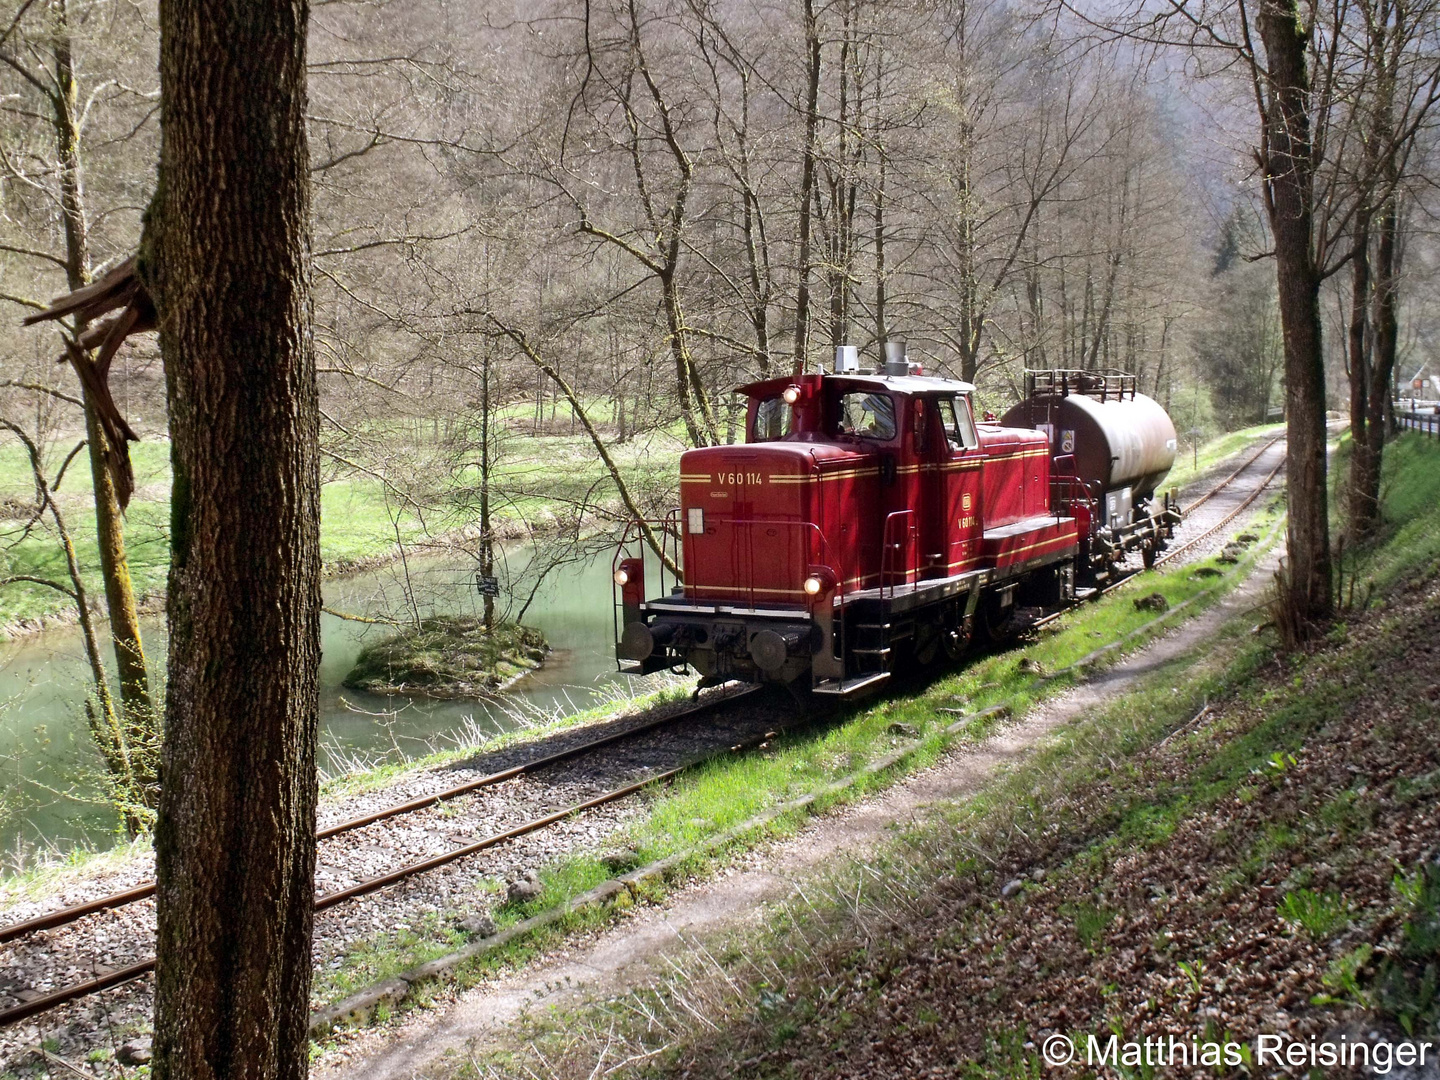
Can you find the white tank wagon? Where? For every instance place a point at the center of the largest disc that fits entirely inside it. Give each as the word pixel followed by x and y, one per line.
pixel 1113 443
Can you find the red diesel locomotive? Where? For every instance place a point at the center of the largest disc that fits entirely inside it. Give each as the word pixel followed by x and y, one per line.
pixel 868 519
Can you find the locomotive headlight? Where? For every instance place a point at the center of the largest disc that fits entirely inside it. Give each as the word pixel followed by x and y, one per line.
pixel 819 581
pixel 791 395
pixel 622 576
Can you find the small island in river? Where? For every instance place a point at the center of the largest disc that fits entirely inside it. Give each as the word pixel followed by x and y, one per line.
pixel 448 657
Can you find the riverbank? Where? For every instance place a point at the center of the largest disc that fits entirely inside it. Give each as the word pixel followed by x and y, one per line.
pixel 83 874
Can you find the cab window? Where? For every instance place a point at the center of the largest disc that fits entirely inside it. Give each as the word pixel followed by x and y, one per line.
pixel 870 416
pixel 774 419
pixel 959 426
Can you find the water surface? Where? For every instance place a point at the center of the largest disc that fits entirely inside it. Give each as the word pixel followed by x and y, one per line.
pixel 49 794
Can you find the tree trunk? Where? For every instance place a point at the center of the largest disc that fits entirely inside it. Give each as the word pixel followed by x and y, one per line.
pixel 226 258
pixel 807 182
pixel 1289 174
pixel 881 331
pixel 141 727
pixel 1362 463
pixel 1385 335
pixel 140 732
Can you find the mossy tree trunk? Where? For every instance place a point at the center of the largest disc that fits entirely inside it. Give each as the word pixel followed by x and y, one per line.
pixel 139 733
pixel 226 257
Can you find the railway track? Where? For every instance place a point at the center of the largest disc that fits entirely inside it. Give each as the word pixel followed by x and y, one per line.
pixel 108 979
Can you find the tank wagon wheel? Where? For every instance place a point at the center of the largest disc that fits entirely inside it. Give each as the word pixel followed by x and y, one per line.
pixel 1148 554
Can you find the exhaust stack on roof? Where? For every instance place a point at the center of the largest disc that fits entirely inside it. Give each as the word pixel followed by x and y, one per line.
pixel 847 359
pixel 896 362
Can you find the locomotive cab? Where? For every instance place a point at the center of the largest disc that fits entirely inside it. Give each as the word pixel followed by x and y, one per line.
pixel 864 518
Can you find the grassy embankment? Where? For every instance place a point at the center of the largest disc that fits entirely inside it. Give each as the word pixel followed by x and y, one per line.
pixel 716 798
pixel 358 524
pixel 1242 845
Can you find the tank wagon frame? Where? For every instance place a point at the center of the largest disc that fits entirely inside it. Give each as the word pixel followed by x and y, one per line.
pixel 870 519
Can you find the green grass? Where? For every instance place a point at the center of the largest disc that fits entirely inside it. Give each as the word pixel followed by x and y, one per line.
pixel 1410 496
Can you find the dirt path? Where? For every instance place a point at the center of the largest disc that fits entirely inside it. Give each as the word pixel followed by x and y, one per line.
pixel 620 956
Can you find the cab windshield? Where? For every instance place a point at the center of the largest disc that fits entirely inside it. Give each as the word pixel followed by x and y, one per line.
pixel 774 419
pixel 867 415
pixel 959 426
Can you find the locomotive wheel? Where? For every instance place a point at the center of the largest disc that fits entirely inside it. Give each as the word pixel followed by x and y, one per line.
pixel 997 624
pixel 929 639
pixel 956 639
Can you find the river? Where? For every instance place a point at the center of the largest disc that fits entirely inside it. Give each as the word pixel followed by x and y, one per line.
pixel 50 797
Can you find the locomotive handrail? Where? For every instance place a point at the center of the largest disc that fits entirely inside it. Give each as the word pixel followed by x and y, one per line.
pixel 669 528
pixel 886 546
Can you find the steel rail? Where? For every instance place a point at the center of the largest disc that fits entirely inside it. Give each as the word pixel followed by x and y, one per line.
pixel 1226 482
pixel 63 916
pixel 1259 490
pixel 1167 556
pixel 109 979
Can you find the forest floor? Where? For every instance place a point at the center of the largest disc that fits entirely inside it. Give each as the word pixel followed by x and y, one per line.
pixel 1213 841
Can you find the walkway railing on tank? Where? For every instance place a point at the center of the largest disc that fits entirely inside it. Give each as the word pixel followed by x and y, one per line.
pixel 1061 382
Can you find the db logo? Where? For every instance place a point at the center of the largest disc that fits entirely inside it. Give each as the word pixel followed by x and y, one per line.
pixel 965 501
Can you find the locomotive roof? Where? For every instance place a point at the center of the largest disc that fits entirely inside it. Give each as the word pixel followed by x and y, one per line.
pixel 904 384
